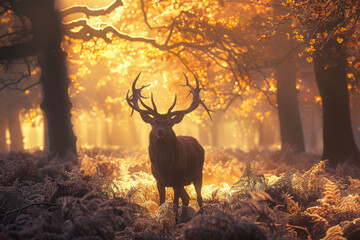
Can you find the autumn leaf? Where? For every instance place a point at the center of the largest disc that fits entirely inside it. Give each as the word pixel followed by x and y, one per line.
pixel 310 49
pixel 262 37
pixel 300 38
pixel 339 40
pixel 309 59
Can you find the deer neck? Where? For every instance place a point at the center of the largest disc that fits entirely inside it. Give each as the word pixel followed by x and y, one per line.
pixel 163 151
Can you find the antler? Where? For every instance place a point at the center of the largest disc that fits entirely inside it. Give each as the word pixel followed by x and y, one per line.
pixel 135 97
pixel 195 103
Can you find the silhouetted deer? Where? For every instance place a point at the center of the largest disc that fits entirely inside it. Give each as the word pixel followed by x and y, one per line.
pixel 176 161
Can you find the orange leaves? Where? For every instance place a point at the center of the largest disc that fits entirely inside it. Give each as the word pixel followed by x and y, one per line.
pixel 310 49
pixel 263 37
pixel 259 116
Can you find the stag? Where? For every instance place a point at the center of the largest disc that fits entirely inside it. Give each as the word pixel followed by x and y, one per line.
pixel 176 161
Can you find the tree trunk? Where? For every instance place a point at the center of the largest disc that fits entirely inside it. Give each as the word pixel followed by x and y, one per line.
pixel 16 137
pixel 291 130
pixel 48 34
pixel 214 133
pixel 330 72
pixel 3 146
pixel 288 107
pixel 262 143
pixel 203 135
pixel 46 133
pixel 3 123
pixel 134 133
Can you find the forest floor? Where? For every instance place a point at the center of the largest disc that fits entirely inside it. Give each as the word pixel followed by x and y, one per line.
pixel 111 194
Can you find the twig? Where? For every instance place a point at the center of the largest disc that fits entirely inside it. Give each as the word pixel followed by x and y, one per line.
pixel 302 228
pixel 18 211
pixel 21 78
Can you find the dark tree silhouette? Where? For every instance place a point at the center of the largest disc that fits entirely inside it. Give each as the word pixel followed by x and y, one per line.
pixel 46 36
pixel 289 113
pixel 291 130
pixel 43 39
pixel 330 70
pixel 331 30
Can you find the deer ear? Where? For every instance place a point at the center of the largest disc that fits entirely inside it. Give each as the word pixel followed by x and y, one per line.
pixel 146 118
pixel 177 119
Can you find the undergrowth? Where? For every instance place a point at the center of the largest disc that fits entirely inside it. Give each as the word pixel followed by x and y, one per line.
pixel 111 194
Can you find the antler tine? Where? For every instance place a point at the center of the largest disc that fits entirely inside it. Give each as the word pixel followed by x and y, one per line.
pixel 154 111
pixel 206 108
pixel 196 99
pixel 134 83
pixel 153 102
pixel 197 82
pixel 173 105
pixel 136 96
pixel 129 102
pixel 141 88
pixel 188 85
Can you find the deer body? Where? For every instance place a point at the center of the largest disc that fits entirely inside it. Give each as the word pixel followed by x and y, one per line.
pixel 176 161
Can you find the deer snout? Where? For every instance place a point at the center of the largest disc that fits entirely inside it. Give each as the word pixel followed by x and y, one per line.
pixel 160 133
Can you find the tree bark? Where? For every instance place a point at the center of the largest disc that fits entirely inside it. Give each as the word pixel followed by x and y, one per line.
pixel 288 107
pixel 16 137
pixel 48 34
pixel 214 132
pixel 291 130
pixel 330 72
pixel 203 135
pixel 2 133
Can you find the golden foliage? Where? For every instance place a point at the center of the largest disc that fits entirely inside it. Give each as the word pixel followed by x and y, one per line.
pixel 308 203
pixel 291 205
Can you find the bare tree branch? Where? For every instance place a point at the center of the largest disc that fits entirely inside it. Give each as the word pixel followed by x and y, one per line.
pixel 92 12
pixel 88 32
pixel 19 79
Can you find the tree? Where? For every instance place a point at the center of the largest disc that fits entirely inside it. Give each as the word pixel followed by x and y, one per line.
pixel 47 34
pixel 330 28
pixel 40 34
pixel 287 94
pixel 330 70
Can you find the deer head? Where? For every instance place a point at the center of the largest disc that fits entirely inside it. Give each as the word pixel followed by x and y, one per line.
pixel 162 123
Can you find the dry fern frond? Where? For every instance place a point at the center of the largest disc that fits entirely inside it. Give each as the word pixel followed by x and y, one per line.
pixel 351 229
pixel 291 205
pixel 334 233
pixel 261 196
pixel 331 195
pixel 354 187
pixel 351 205
pixel 314 223
pixel 312 178
pixel 347 230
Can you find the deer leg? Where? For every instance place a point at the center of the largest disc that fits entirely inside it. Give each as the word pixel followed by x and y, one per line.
pixel 161 190
pixel 198 185
pixel 185 202
pixel 176 202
